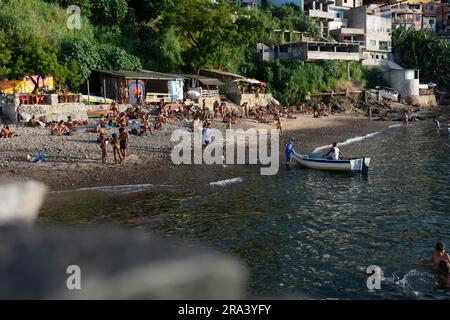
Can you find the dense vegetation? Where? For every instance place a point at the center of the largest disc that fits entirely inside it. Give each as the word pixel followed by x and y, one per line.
pixel 425 51
pixel 163 35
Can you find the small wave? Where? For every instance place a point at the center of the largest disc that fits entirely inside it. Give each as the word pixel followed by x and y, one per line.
pixel 123 189
pixel 417 282
pixel 396 125
pixel 348 141
pixel 223 183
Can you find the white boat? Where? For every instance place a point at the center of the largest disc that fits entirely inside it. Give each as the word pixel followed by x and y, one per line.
pixel 350 165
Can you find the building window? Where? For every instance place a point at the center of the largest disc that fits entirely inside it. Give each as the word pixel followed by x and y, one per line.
pixel 416 74
pixel 373 43
pixel 378 57
pixel 384 45
pixel 417 18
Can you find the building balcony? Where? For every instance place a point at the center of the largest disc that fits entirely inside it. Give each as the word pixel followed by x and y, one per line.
pixel 317 14
pixel 328 55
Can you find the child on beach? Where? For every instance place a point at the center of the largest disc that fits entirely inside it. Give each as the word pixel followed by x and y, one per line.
pixel 103 142
pixel 279 125
pixel 405 118
pixel 116 148
pixel 124 138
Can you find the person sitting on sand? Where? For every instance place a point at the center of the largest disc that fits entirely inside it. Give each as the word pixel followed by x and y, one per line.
pixel 6 132
pixel 124 138
pixel 439 255
pixel 69 123
pixel 33 122
pixel 103 121
pixel 60 129
pixel 334 153
pixel 290 114
pixel 137 132
pixel 158 124
pixel 115 142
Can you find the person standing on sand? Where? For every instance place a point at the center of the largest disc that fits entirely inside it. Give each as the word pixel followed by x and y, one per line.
pixel 115 141
pixel 124 138
pixel 405 118
pixel 369 111
pixel 279 125
pixel 289 151
pixel 103 142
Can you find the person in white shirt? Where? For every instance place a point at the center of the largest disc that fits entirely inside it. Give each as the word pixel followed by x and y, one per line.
pixel 334 153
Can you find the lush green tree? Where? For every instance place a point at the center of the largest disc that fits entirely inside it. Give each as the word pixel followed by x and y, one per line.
pixel 115 58
pixel 146 10
pixel 109 12
pixel 292 18
pixel 425 51
pixel 31 56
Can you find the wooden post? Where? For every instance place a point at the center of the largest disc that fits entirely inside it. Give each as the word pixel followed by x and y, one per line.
pixel 104 89
pixel 88 91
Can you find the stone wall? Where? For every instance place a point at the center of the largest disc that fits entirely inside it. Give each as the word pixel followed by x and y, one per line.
pixel 422 101
pixel 250 98
pixel 56 113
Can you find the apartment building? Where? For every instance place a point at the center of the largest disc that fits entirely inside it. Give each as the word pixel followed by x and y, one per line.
pixel 405 14
pixel 377 25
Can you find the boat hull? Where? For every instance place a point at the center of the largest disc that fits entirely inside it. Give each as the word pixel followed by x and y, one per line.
pixel 352 165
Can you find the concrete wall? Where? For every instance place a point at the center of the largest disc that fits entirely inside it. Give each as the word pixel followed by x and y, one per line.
pixel 55 113
pixel 405 82
pixel 251 99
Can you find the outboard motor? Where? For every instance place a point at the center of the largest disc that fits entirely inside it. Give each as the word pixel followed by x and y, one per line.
pixel 365 165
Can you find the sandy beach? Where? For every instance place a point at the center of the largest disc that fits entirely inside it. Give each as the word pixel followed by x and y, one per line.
pixel 72 162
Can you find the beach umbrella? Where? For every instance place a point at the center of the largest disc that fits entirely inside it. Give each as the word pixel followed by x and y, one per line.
pixel 193 94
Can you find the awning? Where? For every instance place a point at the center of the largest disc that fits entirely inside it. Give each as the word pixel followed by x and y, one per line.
pixel 210 81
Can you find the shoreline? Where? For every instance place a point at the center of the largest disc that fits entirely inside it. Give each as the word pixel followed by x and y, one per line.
pixel 74 162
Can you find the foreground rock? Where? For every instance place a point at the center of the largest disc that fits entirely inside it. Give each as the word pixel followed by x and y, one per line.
pixel 113 264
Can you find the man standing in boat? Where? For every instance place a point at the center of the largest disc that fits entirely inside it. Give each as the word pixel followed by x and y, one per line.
pixel 334 153
pixel 289 151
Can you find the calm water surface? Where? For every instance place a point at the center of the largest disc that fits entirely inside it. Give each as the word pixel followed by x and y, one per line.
pixel 306 232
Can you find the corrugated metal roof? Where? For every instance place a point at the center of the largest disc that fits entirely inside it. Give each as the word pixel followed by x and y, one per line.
pixel 139 75
pixel 205 80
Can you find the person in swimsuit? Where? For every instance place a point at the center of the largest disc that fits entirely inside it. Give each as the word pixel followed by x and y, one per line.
pixel 439 255
pixel 103 142
pixel 437 123
pixel 116 148
pixel 124 138
pixel 405 118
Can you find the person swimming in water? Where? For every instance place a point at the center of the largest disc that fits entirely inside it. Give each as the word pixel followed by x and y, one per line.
pixel 437 123
pixel 289 151
pixel 439 255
